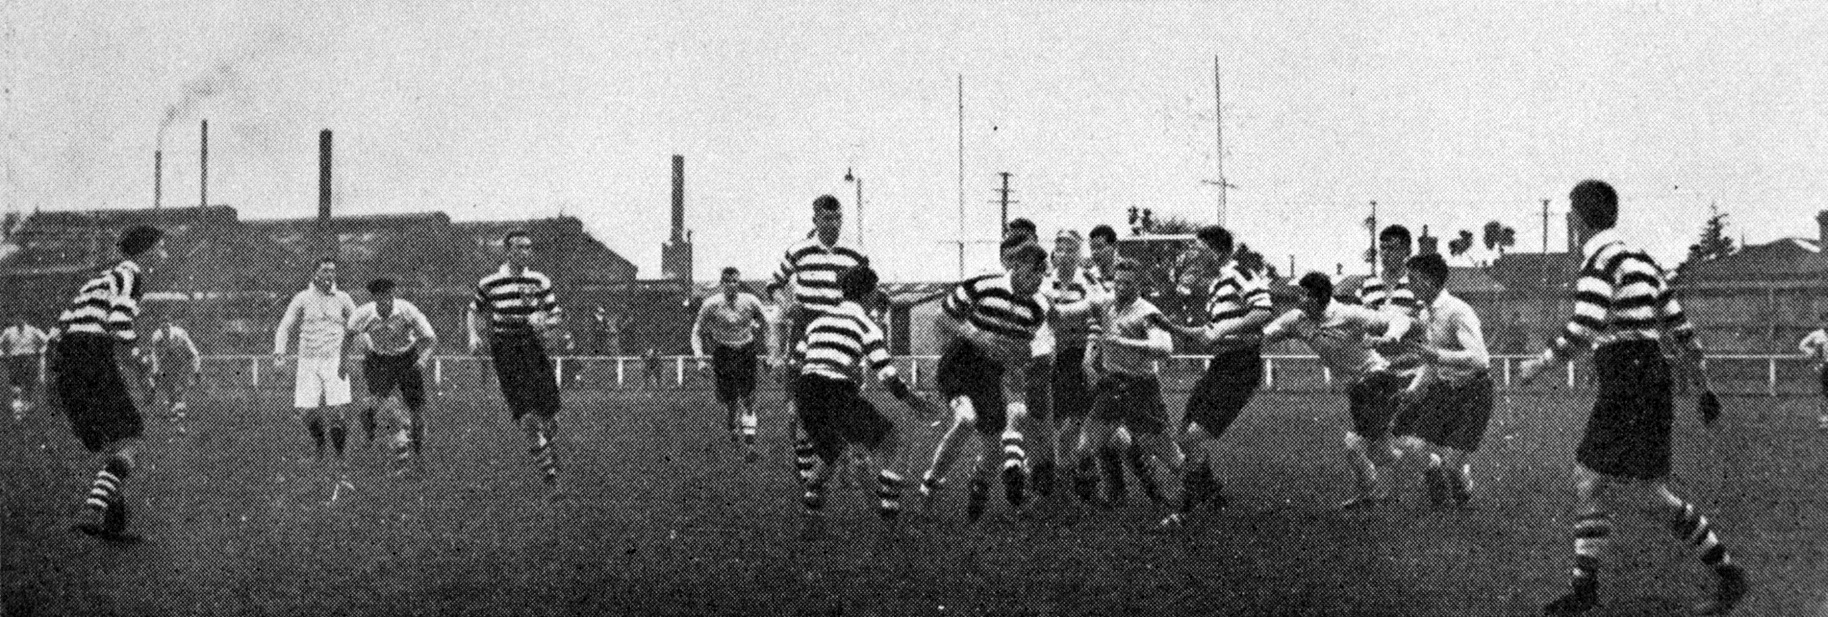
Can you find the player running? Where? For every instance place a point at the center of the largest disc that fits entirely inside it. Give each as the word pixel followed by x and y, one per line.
pixel 513 306
pixel 399 342
pixel 1447 406
pixel 1238 304
pixel 176 368
pixel 24 346
pixel 1815 348
pixel 1120 360
pixel 805 287
pixel 1341 335
pixel 730 319
pixel 87 378
pixel 988 326
pixel 1623 308
pixel 833 413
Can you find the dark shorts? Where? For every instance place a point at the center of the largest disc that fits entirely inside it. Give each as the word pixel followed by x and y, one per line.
pixel 1628 433
pixel 1449 414
pixel 93 394
pixel 1071 396
pixel 833 414
pixel 1040 382
pixel 1373 404
pixel 735 370
pixel 965 371
pixel 527 380
pixel 22 371
pixel 1132 401
pixel 1228 385
pixel 384 373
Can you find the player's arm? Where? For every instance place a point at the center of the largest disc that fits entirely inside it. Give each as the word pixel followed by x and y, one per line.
pixel 477 319
pixel 1592 301
pixel 1154 342
pixel 1387 326
pixel 759 317
pixel 190 349
pixel 288 321
pixel 427 341
pixel 698 331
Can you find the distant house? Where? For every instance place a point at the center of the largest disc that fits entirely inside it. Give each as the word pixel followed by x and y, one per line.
pixel 1763 298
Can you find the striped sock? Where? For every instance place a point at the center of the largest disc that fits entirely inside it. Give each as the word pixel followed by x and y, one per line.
pixel 1592 532
pixel 814 499
pixel 544 460
pixel 1694 529
pixel 888 487
pixel 106 489
pixel 748 423
pixel 803 458
pixel 1015 461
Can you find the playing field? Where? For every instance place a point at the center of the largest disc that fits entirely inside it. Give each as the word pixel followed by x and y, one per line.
pixel 669 520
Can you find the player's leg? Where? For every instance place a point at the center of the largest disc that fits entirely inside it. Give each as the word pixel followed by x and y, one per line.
pixel 1367 443
pixel 880 442
pixel 1039 422
pixel 1592 536
pixel 411 425
pixel 1691 527
pixel 1014 392
pixel 337 397
pixel 1093 434
pixel 307 393
pixel 964 417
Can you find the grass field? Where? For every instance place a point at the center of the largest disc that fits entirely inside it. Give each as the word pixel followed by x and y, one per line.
pixel 669 520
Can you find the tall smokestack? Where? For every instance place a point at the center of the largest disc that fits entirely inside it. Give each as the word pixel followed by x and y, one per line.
pixel 678 198
pixel 323 192
pixel 158 176
pixel 203 196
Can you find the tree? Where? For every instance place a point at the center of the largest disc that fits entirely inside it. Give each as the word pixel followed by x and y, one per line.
pixel 1499 237
pixel 1713 244
pixel 1459 246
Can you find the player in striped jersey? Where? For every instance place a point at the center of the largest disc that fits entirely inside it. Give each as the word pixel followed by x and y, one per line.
pixel 987 328
pixel 513 306
pixel 805 287
pixel 1343 336
pixel 1124 348
pixel 1069 397
pixel 833 412
pixel 1239 303
pixel 1389 290
pixel 1623 308
pixel 732 317
pixel 88 381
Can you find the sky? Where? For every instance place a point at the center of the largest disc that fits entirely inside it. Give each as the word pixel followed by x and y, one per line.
pixel 1447 115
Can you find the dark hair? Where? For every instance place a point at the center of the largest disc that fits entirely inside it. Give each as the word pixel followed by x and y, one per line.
pixel 510 236
pixel 1596 203
pixel 729 270
pixel 1021 224
pixel 380 286
pixel 825 202
pixel 1103 231
pixel 138 239
pixel 1215 238
pixel 1028 253
pixel 857 283
pixel 1125 265
pixel 1317 285
pixel 1430 265
pixel 326 260
pixel 1395 232
pixel 1015 240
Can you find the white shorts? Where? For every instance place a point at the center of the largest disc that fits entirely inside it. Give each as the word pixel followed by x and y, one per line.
pixel 317 380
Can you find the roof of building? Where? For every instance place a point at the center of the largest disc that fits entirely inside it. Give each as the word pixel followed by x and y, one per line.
pixel 1786 258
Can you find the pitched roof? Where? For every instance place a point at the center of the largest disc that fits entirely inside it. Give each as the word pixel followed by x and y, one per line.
pixel 1783 259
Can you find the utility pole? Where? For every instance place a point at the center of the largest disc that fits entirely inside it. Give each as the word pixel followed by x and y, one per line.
pixel 1545 226
pixel 1003 198
pixel 1218 132
pixel 961 176
pixel 1371 224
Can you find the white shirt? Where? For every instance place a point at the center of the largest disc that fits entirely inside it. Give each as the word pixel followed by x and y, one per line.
pixel 1452 327
pixel 320 318
pixel 1131 322
pixel 730 322
pixel 1339 336
pixel 1815 345
pixel 27 341
pixel 394 335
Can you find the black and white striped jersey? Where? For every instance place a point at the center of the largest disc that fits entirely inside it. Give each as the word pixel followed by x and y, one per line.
pixel 1622 295
pixel 841 338
pixel 106 304
pixel 508 298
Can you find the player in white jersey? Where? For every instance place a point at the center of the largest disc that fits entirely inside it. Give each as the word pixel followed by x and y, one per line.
pixel 1342 335
pixel 318 316
pixel 730 319
pixel 176 368
pixel 399 342
pixel 1446 407
pixel 1815 348
pixel 23 345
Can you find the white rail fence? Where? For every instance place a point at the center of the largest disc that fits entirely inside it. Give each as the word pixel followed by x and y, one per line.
pixel 1769 375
